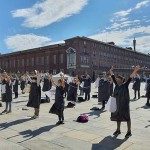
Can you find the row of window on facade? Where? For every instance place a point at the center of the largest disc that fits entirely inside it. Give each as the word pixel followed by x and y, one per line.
pixel 31 61
pixel 108 51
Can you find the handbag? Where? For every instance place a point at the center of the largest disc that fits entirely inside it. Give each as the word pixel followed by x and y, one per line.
pixel 111 105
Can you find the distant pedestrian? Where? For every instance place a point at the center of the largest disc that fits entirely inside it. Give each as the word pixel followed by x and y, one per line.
pixel 87 87
pixel 136 86
pixel 15 86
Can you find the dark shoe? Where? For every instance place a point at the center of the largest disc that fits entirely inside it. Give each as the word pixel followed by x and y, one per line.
pixel 5 111
pixel 62 122
pixel 147 104
pixel 134 98
pixel 103 108
pixel 128 135
pixel 8 112
pixel 35 117
pixel 58 123
pixel 117 132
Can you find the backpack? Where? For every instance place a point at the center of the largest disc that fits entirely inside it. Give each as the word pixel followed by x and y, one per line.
pixel 83 118
pixel 80 99
pixel 70 105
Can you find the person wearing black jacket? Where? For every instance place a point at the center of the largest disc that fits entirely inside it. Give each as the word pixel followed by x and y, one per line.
pixel 22 84
pixel 58 106
pixel 47 86
pixel 148 92
pixel 136 86
pixel 35 93
pixel 103 90
pixel 87 87
pixel 8 91
pixel 15 86
pixel 121 93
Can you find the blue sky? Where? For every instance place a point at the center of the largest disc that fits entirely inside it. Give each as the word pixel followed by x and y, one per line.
pixel 33 23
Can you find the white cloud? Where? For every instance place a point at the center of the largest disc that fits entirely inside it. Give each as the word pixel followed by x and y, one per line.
pixel 124 13
pixel 26 41
pixel 141 4
pixel 124 38
pixel 47 12
pixel 123 29
pixel 128 23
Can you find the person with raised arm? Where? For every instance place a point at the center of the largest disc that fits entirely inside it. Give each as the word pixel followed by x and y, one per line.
pixel 35 93
pixel 58 106
pixel 121 93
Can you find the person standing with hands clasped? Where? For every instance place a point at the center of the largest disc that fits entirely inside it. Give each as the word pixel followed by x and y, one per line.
pixel 121 93
pixel 58 106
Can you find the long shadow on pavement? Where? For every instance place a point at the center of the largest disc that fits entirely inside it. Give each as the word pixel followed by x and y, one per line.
pixel 108 143
pixel 16 122
pixel 95 113
pixel 29 134
pixel 144 107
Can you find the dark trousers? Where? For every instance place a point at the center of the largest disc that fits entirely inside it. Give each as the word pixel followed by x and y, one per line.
pixel 47 99
pixel 135 92
pixel 61 115
pixel 16 94
pixel 87 95
pixel 103 104
pixel 65 94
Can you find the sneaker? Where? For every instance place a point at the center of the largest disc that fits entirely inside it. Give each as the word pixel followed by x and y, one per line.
pixel 128 135
pixel 117 132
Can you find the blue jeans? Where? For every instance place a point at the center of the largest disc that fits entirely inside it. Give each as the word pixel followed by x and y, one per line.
pixel 8 104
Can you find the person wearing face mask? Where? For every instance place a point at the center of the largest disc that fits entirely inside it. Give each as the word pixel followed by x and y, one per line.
pixel 59 99
pixel 121 93
pixel 103 89
pixel 87 87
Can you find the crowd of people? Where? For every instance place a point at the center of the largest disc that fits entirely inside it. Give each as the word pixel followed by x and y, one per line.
pixel 107 84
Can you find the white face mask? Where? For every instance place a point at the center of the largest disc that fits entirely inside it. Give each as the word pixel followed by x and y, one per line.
pixel 59 84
